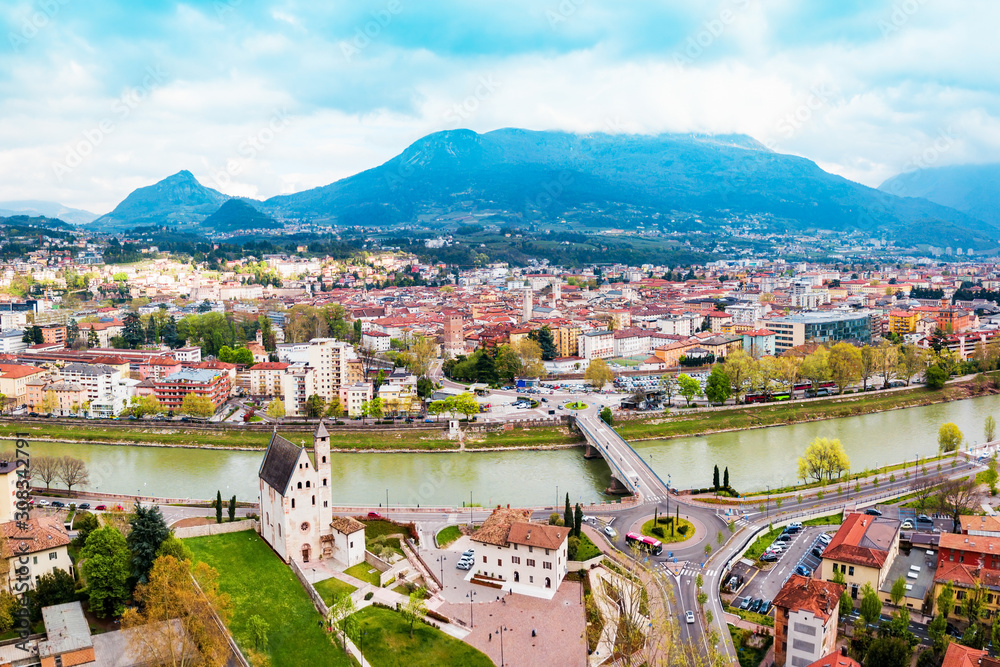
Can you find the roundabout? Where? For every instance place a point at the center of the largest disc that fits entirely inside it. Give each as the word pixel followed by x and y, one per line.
pixel 671 531
pixel 576 405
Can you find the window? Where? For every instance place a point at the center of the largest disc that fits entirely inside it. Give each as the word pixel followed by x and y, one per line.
pixel 547 565
pixel 53 555
pixel 324 459
pixel 324 481
pixel 851 570
pixel 300 485
pixel 546 552
pixel 530 549
pixel 531 562
pixel 516 560
pixel 515 546
pixel 314 500
pixel 304 526
pixel 484 559
pixel 531 579
pixel 34 560
pixel 307 484
pixel 293 503
pixel 499 562
pixel 326 503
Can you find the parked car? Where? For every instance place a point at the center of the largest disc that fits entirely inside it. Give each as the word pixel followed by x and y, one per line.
pixel 689 616
pixel 43 503
pixel 609 531
pixel 757 605
pixel 907 524
pixel 871 511
pixel 803 570
pixel 825 538
pixel 464 565
pixel 101 508
pixel 923 518
pixel 58 503
pixel 469 553
pixel 766 608
pixel 83 506
pixel 817 552
pixel 374 515
pixel 746 603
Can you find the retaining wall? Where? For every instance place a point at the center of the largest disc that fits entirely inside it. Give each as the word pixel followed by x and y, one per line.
pixel 217 528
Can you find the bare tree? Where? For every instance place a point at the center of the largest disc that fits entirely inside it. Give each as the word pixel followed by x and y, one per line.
pixel 72 472
pixel 957 496
pixel 46 468
pixel 924 489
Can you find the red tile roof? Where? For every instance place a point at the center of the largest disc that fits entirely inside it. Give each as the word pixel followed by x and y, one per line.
pixel 799 593
pixel 835 660
pixel 497 526
pixel 962 656
pixel 863 540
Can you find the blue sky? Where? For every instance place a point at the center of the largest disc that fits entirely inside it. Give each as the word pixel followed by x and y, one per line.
pixel 264 98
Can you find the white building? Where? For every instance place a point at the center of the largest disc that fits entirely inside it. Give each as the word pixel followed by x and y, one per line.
pixel 11 341
pixel 376 340
pixel 745 312
pixel 329 358
pixel 352 396
pixel 296 517
pixel 13 319
pixel 524 557
pixel 631 342
pixel 597 344
pixel 99 380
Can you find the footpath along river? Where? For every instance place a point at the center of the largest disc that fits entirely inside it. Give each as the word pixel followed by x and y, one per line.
pixel 755 458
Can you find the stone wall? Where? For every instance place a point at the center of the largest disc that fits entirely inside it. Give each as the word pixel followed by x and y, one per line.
pixel 217 528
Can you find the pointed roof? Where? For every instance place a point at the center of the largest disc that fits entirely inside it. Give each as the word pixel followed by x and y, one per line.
pixel 321 431
pixel 279 463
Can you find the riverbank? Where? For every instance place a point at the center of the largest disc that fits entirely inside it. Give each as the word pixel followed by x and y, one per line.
pixel 680 424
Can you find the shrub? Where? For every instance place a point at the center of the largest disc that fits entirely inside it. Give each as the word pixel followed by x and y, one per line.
pixel 369 595
pixel 665 519
pixel 437 616
pixel 657 530
pixel 682 530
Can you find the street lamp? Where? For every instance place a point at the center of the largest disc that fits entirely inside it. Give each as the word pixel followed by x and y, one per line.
pixel 472 616
pixel 470 509
pixel 441 561
pixel 767 507
pixel 502 628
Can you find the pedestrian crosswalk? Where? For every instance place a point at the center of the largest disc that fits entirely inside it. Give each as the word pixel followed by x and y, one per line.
pixel 694 570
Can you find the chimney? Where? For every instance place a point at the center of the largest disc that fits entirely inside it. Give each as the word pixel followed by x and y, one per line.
pixel 843 651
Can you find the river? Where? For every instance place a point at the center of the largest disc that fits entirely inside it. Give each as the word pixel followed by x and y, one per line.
pixel 755 459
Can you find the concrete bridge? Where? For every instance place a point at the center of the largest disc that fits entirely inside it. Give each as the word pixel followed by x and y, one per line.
pixel 630 474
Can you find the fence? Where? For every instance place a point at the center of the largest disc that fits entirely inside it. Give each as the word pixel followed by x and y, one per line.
pixel 313 595
pixel 237 653
pixel 217 528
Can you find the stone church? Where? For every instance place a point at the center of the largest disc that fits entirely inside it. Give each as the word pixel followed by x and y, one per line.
pixel 296 517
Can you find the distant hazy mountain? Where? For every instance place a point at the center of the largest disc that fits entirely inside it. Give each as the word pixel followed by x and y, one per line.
pixel 972 188
pixel 605 180
pixel 177 200
pixel 238 214
pixel 47 209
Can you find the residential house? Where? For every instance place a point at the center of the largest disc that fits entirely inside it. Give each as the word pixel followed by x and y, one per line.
pixel 521 556
pixel 805 620
pixel 862 551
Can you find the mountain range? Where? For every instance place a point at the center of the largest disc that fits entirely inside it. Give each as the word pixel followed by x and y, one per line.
pixel 46 209
pixel 596 181
pixel 970 188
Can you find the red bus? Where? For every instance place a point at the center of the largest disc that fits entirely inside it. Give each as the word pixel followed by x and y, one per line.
pixel 645 543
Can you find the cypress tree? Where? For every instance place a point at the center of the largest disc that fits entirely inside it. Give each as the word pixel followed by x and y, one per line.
pixel 577 520
pixel 232 509
pixel 218 507
pixel 725 478
pixel 568 514
pixel 715 478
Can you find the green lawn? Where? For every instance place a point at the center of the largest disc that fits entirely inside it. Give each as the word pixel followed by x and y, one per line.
pixel 363 571
pixel 749 656
pixel 379 527
pixel 756 549
pixel 387 642
pixel 258 583
pixel 448 535
pixel 670 537
pixel 829 520
pixel 542 436
pixel 587 549
pixel 333 588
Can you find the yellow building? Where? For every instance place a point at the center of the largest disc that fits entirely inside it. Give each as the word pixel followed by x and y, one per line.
pixel 862 551
pixel 903 321
pixel 568 341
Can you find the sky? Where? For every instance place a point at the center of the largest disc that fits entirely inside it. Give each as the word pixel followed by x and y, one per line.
pixel 265 98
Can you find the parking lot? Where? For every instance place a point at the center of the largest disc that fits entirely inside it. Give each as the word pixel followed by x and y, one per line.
pixel 765 584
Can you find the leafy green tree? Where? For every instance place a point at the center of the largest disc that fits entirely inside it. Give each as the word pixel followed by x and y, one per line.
pixel 946 600
pixel 844 364
pixel 257 626
pixel 358 332
pixel 84 523
pixel 606 416
pixel 688 386
pixel 824 457
pixel 175 547
pixel 225 354
pixel 871 604
pixel 425 387
pixel 547 343
pixel 275 409
pixel 106 566
pixel 846 603
pixel 949 437
pixel 415 609
pixel 718 387
pixel 148 531
pixel 935 377
pixel 55 587
pixel 898 591
pixel 889 652
pixel 197 406
pixel 132 331
pixel 990 428
pixel 598 373
pixel 314 406
pixel 93 340
pixel 486 370
pixel 937 630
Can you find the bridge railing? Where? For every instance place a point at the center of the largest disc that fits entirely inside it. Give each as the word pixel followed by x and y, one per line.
pixel 648 467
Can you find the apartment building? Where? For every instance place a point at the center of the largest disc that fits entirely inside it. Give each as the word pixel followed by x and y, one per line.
pixel 265 378
pixel 353 396
pixel 98 380
pixel 297 385
pixel 567 339
pixel 376 341
pixel 862 551
pixel 330 360
pixel 597 344
pixel 54 335
pixel 819 327
pixel 13 382
pixel 527 557
pixel 805 620
pixel 171 390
